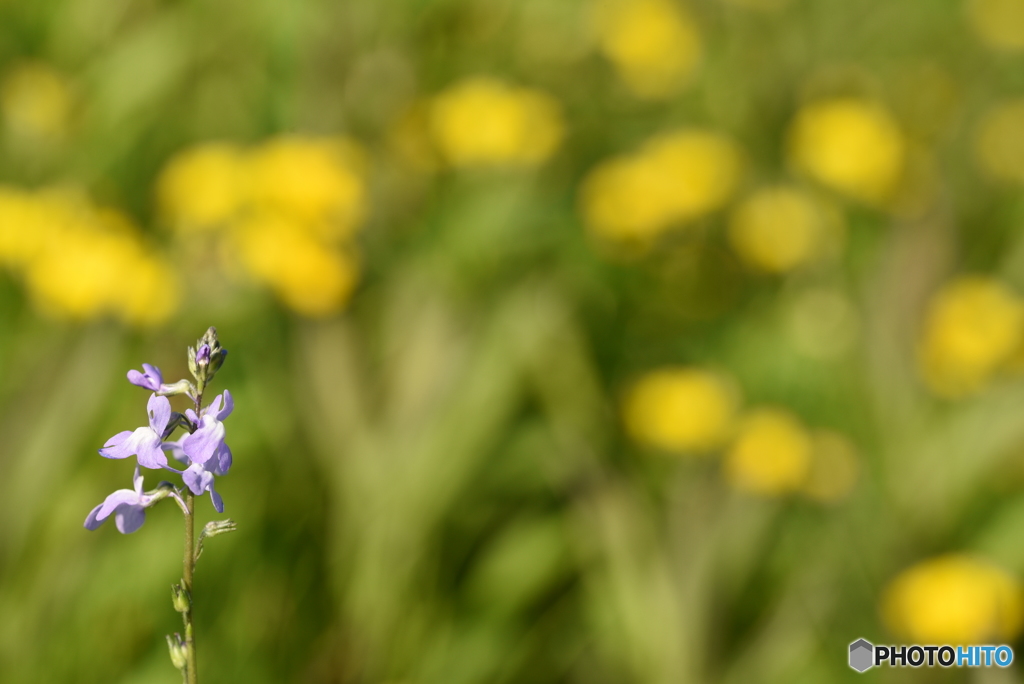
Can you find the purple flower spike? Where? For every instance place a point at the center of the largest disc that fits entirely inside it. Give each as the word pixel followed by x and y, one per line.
pixel 200 480
pixel 127 505
pixel 144 442
pixel 152 379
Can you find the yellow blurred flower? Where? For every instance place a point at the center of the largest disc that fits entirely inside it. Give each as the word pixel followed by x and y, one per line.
pixel 284 211
pixel 834 467
pixel 954 599
pixel 999 143
pixel 851 145
pixel 703 166
pixel 36 101
pixel 310 277
pixel 674 178
pixel 484 122
pixel 95 265
pixel 81 279
pixel 317 180
pixel 625 199
pixel 972 327
pixel 680 410
pixel 202 188
pixel 23 228
pixel 771 454
pixel 999 23
pixel 777 229
pixel 653 44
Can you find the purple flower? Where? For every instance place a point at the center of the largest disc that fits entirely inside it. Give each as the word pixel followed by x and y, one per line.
pixel 204 451
pixel 199 476
pixel 128 506
pixel 152 379
pixel 203 355
pixel 144 442
pixel 219 464
pixel 200 480
pixel 208 439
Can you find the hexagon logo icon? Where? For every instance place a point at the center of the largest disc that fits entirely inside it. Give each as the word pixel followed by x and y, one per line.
pixel 861 655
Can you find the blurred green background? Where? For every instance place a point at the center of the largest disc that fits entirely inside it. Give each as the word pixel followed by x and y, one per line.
pixel 571 341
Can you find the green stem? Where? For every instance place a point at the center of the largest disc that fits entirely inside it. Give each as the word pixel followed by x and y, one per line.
pixel 191 672
pixel 191 675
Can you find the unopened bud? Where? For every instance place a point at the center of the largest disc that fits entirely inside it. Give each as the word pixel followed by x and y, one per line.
pixel 206 358
pixel 203 356
pixel 215 527
pixel 212 529
pixel 179 655
pixel 180 598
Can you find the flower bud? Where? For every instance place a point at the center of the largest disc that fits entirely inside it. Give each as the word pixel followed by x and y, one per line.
pixel 180 598
pixel 192 368
pixel 176 646
pixel 216 352
pixel 212 529
pixel 206 358
pixel 215 527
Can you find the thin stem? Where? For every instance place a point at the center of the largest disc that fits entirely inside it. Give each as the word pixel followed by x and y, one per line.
pixel 191 674
pixel 189 562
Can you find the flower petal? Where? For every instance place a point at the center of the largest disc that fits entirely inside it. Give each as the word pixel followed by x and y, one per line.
pixel 150 379
pixel 159 413
pixel 197 478
pixel 149 452
pixel 92 521
pixel 218 502
pixel 119 498
pixel 214 406
pixel 122 445
pixel 129 518
pixel 229 406
pixel 204 442
pixel 222 460
pixel 138 379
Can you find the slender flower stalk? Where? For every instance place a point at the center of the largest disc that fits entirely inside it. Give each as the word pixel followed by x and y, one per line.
pixel 188 570
pixel 188 573
pixel 203 452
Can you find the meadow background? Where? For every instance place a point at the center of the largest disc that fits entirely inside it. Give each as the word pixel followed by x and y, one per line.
pixel 571 341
